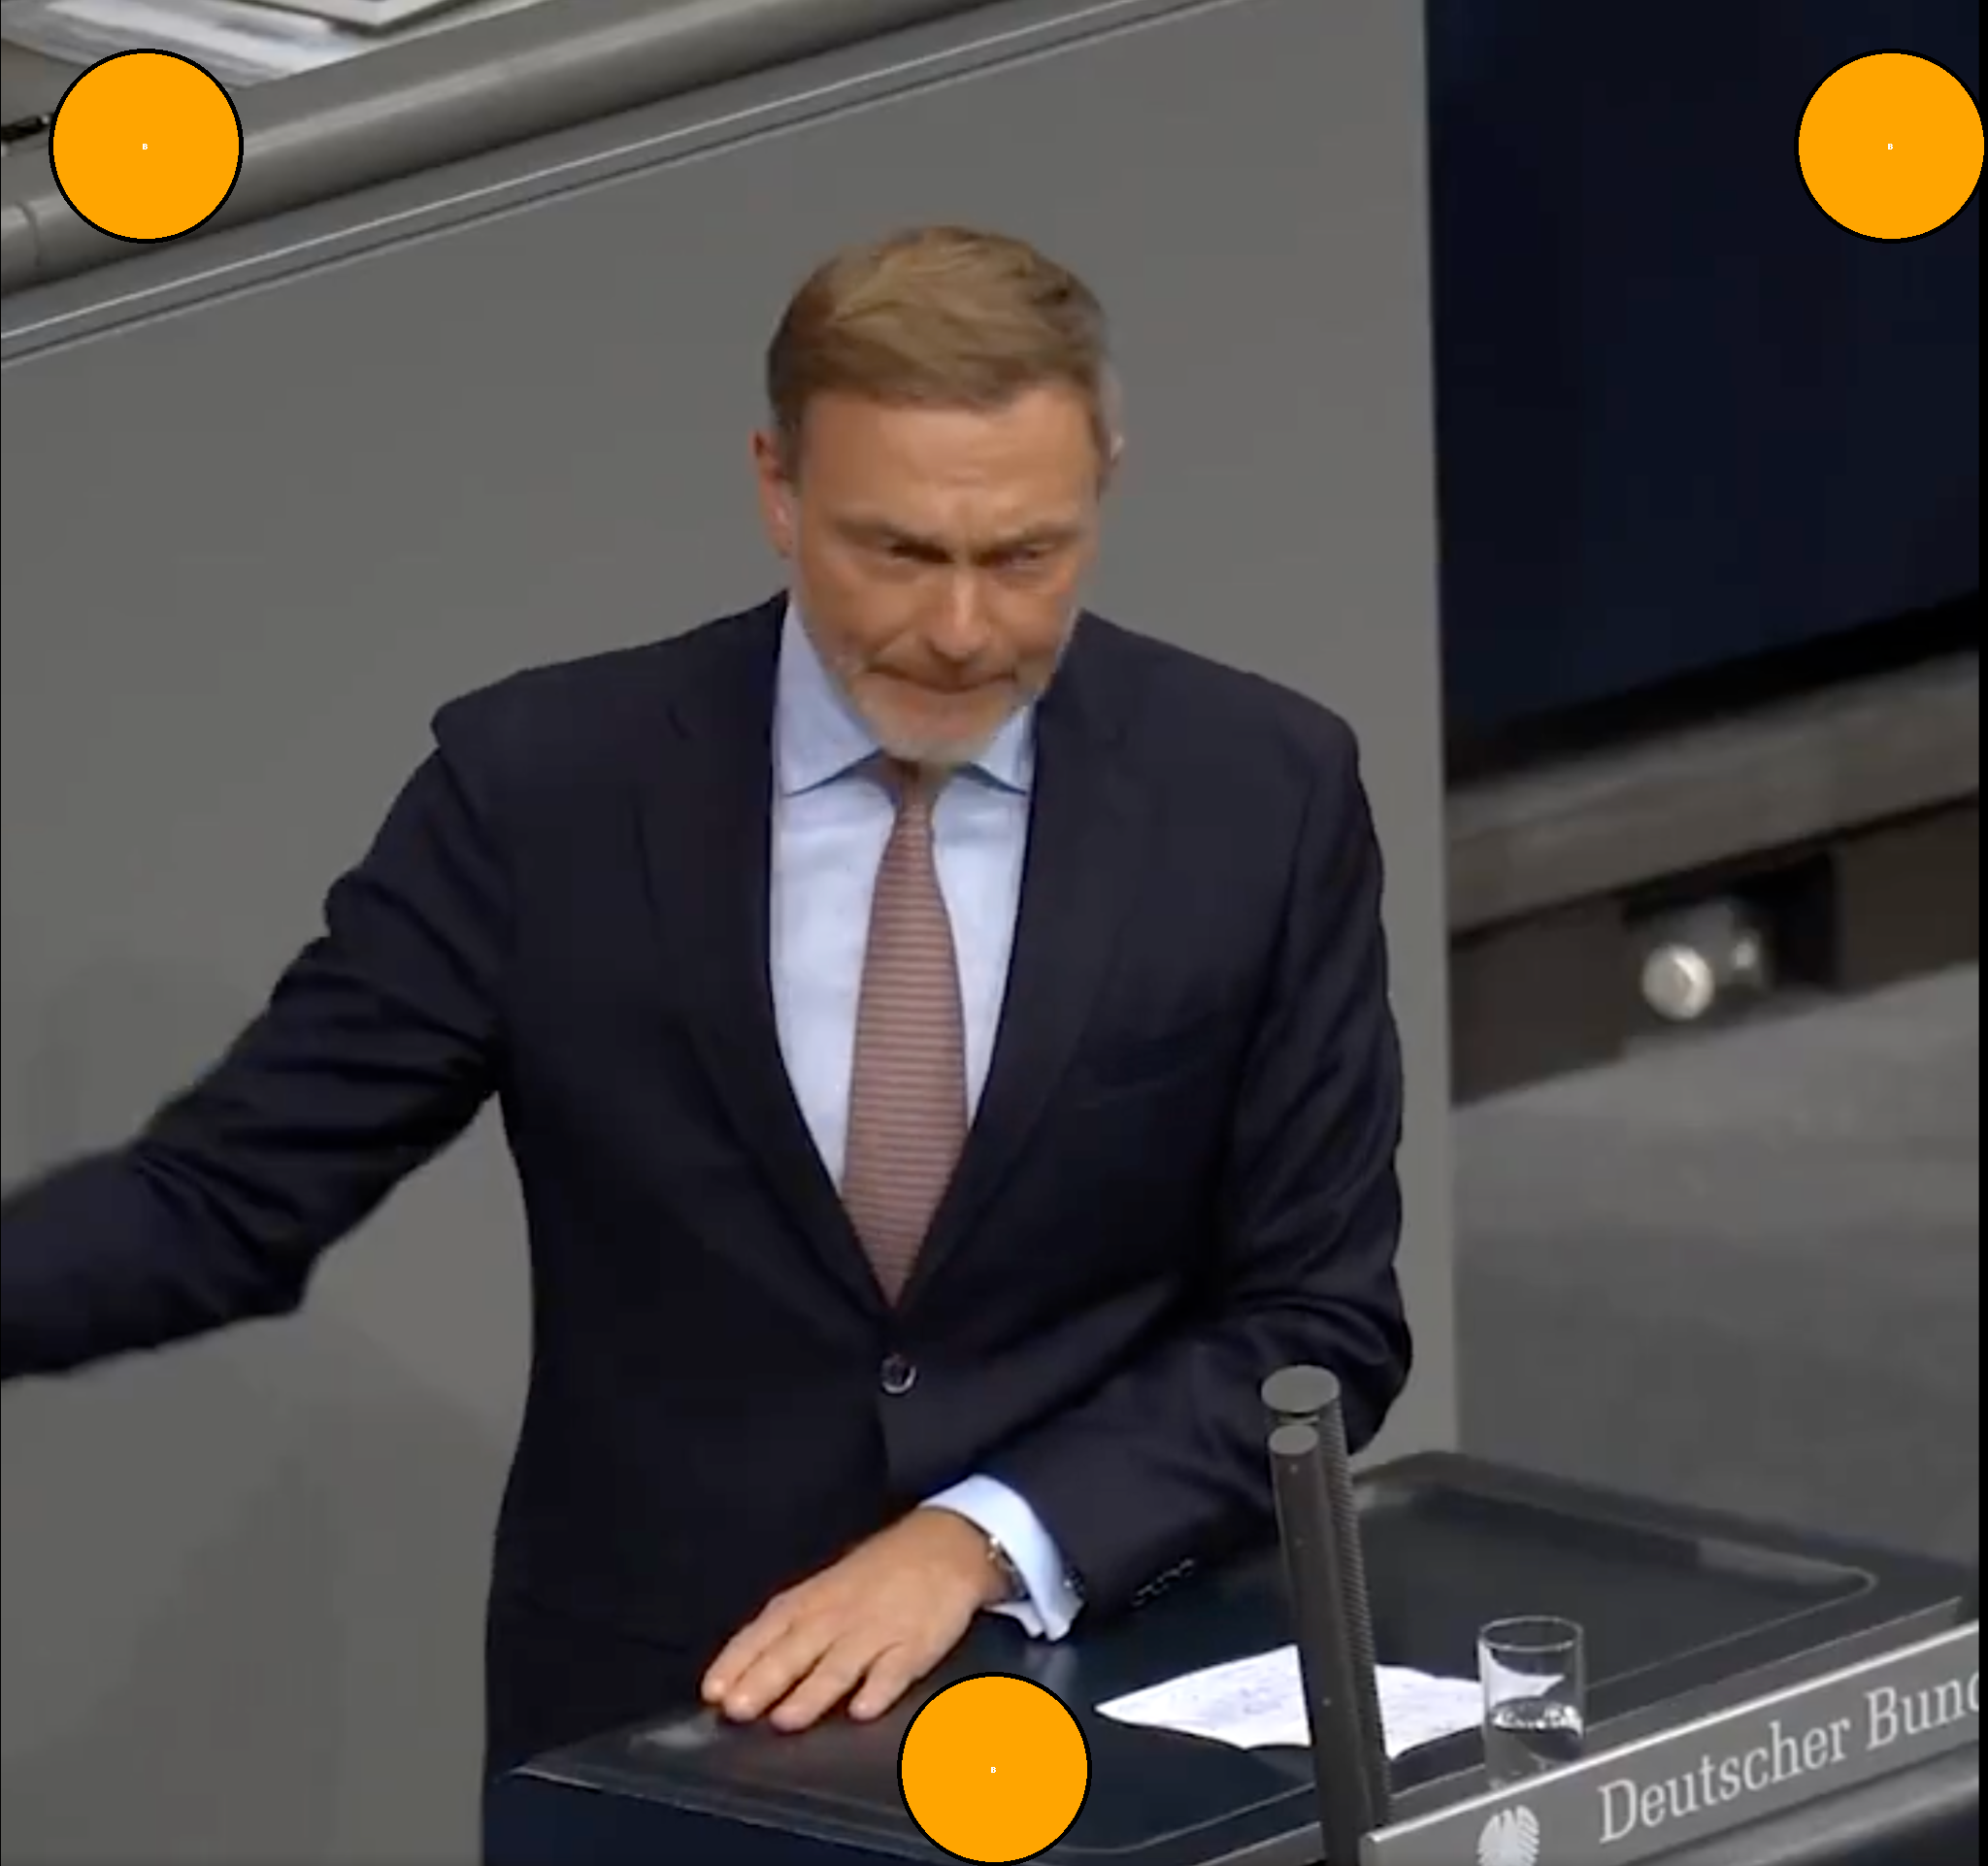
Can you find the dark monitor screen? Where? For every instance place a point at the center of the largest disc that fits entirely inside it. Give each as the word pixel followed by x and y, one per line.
pixel 1683 417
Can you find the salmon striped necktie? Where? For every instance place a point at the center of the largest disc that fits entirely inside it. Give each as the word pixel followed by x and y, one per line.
pixel 908 1089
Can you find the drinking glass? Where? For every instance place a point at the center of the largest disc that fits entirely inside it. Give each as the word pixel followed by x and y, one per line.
pixel 1534 1673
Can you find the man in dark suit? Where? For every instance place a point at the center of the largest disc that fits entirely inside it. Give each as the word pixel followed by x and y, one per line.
pixel 943 1038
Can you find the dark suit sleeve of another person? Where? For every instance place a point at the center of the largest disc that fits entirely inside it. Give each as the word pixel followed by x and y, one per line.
pixel 375 1049
pixel 1166 1461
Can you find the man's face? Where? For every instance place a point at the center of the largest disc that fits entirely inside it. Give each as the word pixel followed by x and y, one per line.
pixel 936 554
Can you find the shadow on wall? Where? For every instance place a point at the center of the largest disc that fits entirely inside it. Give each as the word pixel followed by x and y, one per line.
pixel 243 1589
pixel 104 1047
pixel 221 1566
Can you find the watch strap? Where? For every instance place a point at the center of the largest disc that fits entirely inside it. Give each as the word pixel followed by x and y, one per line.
pixel 1013 1586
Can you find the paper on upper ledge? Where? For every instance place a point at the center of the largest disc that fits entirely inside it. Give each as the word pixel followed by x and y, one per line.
pixel 236 42
pixel 1257 1703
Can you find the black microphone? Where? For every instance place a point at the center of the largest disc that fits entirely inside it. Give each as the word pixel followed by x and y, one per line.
pixel 1318 1525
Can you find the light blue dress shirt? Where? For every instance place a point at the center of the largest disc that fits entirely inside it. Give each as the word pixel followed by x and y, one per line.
pixel 831 822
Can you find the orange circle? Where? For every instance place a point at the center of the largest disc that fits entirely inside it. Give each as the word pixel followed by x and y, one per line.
pixel 994 1769
pixel 145 146
pixel 1891 146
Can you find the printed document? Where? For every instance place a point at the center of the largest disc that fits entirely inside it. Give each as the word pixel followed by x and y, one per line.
pixel 1257 1703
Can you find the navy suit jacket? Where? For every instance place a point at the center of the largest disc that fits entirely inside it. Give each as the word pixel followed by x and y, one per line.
pixel 1183 1174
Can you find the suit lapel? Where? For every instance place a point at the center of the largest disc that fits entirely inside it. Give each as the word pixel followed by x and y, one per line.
pixel 707 825
pixel 1085 826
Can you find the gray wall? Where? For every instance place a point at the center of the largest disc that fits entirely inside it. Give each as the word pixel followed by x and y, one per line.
pixel 243 1581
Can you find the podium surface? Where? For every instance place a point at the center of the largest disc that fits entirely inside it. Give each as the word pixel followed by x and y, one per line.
pixel 1678 1607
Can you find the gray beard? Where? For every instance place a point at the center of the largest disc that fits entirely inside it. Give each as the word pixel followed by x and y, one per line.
pixel 944 756
pixel 937 755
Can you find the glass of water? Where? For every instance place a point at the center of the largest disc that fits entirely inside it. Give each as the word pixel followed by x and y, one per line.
pixel 1535 1677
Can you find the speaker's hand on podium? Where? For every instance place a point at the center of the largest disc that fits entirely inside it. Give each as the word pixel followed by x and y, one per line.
pixel 872 1626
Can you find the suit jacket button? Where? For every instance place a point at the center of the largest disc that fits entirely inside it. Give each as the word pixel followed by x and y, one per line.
pixel 899 1375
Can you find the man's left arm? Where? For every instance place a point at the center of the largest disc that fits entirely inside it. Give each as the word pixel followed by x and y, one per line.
pixel 1044 1598
pixel 1166 1460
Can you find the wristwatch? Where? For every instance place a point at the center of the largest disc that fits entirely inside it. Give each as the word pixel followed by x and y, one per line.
pixel 1014 1588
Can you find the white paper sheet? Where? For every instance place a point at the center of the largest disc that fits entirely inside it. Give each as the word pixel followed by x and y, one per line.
pixel 238 42
pixel 1258 1701
pixel 234 41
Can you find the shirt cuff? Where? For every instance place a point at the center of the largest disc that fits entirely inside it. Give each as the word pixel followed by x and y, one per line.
pixel 1053 1601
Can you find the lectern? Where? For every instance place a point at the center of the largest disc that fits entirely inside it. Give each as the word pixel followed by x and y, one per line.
pixel 1688 1616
